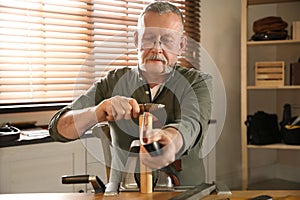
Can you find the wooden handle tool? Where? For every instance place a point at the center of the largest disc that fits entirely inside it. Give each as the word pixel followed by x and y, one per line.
pixel 145 124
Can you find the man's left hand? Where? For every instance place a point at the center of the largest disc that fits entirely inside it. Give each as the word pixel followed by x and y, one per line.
pixel 170 140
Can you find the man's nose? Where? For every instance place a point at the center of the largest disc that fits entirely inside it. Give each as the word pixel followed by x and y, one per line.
pixel 157 46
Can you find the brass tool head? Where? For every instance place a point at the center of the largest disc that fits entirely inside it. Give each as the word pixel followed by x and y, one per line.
pixel 150 107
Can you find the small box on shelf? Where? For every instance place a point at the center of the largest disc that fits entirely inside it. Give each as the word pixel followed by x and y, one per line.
pixel 295 73
pixel 296 30
pixel 269 73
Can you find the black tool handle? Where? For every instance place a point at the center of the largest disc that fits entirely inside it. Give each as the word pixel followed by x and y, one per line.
pixel 153 148
pixel 96 182
pixel 75 179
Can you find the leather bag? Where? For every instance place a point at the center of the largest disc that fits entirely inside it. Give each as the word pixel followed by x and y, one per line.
pixel 267 24
pixel 262 128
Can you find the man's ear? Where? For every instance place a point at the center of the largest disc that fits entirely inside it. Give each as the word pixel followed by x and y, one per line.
pixel 136 39
pixel 183 44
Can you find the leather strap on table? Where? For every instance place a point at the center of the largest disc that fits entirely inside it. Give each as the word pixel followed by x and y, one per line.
pixel 177 165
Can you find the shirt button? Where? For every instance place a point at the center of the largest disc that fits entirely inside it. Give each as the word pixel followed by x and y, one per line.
pixel 147 92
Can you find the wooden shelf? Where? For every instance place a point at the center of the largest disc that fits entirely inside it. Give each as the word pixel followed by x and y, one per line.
pixel 272 42
pixel 248 55
pixel 285 87
pixel 255 2
pixel 274 146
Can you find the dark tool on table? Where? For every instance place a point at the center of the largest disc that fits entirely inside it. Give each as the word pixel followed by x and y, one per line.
pixel 203 190
pixel 96 182
pixel 9 133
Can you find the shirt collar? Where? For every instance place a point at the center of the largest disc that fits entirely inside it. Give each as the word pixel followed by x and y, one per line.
pixel 141 77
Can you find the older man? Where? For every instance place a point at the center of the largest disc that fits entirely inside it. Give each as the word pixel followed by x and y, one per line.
pixel 157 79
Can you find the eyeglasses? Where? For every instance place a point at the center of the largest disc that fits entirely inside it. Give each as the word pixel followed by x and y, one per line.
pixel 166 39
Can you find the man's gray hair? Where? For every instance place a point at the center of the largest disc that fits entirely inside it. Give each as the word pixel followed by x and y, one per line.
pixel 161 8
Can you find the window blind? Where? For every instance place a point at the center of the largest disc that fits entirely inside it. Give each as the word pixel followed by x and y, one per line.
pixel 53 50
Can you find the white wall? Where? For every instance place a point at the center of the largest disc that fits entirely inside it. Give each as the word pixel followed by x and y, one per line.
pixel 220 36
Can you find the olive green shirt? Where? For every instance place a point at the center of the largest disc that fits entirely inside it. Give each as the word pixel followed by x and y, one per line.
pixel 186 95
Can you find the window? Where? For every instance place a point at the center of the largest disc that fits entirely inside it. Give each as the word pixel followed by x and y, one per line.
pixel 53 50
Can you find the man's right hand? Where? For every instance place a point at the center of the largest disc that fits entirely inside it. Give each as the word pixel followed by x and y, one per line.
pixel 117 108
pixel 74 123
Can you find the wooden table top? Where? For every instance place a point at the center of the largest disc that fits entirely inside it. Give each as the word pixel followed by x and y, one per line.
pixel 236 195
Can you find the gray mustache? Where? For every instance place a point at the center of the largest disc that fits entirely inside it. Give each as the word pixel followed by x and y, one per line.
pixel 156 57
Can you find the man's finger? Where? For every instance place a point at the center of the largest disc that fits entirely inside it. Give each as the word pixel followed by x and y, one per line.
pixel 135 108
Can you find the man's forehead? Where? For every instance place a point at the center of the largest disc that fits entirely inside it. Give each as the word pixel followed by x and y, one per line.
pixel 166 20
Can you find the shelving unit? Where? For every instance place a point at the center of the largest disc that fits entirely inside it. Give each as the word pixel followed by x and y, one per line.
pixel 274 42
pixel 255 97
pixel 252 87
pixel 275 146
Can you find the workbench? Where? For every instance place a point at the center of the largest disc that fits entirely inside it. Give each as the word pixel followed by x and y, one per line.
pixel 236 195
